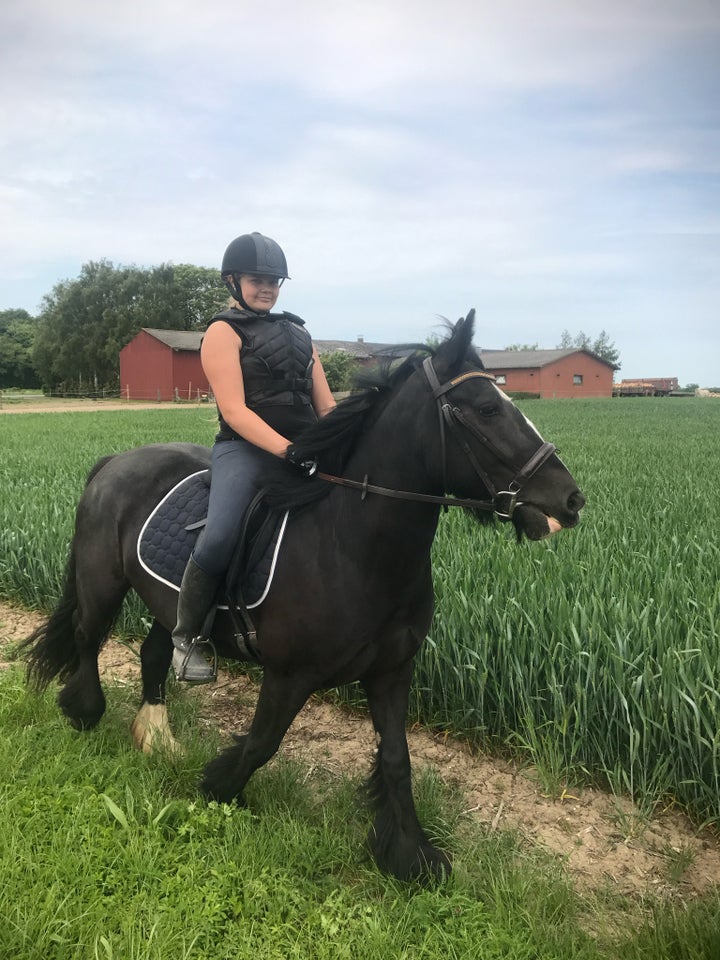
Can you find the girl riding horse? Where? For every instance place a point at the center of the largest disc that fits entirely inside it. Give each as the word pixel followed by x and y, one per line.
pixel 269 385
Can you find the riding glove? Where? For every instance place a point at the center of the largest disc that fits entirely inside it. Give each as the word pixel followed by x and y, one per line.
pixel 305 464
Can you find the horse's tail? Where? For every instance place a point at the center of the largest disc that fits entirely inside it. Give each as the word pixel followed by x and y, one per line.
pixel 50 650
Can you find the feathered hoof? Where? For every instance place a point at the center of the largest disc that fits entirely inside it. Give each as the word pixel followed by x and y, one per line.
pixel 410 860
pixel 82 705
pixel 220 777
pixel 151 731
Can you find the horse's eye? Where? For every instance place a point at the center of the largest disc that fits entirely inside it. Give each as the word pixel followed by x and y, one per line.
pixel 488 410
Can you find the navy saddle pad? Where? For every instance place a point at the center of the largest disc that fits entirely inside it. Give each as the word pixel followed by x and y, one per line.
pixel 169 534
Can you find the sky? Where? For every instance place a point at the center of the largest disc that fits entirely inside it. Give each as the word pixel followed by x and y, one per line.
pixel 554 164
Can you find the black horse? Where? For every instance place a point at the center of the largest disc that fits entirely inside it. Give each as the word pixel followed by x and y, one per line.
pixel 352 596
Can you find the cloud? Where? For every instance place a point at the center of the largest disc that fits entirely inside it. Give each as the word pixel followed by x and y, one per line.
pixel 368 51
pixel 554 164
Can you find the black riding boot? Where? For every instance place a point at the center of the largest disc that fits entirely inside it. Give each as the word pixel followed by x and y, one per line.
pixel 197 594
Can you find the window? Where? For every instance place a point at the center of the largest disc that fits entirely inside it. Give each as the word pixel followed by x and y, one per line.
pixel 501 379
pixel 577 379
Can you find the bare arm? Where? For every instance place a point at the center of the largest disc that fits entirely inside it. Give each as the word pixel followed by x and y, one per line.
pixel 322 398
pixel 220 356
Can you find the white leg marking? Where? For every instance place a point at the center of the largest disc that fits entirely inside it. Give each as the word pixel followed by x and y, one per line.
pixel 151 730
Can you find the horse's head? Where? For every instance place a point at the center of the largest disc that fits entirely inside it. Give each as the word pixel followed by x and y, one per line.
pixel 437 427
pixel 487 447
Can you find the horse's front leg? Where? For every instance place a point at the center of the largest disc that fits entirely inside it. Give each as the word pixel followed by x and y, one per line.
pixel 151 728
pixel 398 842
pixel 279 701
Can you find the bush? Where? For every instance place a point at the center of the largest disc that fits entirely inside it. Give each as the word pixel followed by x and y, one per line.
pixel 339 367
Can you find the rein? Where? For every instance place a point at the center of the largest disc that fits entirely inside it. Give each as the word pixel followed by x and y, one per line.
pixel 503 502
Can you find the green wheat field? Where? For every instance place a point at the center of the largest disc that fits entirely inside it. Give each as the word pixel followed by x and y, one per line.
pixel 595 655
pixel 597 651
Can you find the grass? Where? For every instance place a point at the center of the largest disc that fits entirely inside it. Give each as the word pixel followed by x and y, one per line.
pixel 106 853
pixel 596 654
pixel 42 475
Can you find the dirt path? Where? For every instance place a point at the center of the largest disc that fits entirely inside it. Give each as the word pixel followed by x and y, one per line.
pixel 588 829
pixel 59 405
pixel 602 839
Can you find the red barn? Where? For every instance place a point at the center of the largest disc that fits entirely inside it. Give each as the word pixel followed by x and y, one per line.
pixel 165 365
pixel 162 365
pixel 550 373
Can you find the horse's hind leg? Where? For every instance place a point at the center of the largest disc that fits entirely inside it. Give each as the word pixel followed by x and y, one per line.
pixel 280 699
pixel 150 729
pixel 398 842
pixel 82 699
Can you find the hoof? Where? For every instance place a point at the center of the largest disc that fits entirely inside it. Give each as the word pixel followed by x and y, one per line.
pixel 219 781
pixel 410 860
pixel 83 709
pixel 432 865
pixel 151 731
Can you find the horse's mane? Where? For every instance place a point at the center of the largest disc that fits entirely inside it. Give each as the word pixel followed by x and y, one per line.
pixel 333 437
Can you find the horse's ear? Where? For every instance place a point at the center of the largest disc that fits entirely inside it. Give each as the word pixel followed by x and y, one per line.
pixel 451 354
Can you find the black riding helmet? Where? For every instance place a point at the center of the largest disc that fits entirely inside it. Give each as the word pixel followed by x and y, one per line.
pixel 252 253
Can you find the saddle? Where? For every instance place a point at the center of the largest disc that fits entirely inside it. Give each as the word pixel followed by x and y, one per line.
pixel 168 536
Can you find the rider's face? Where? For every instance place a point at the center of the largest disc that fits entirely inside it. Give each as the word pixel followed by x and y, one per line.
pixel 259 292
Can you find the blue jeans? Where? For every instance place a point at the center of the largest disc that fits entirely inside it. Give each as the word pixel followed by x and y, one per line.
pixel 236 470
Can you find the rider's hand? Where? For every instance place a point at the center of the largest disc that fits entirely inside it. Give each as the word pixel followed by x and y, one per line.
pixel 305 464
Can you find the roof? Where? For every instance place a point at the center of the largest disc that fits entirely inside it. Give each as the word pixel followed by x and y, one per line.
pixel 177 339
pixel 360 350
pixel 191 340
pixel 530 359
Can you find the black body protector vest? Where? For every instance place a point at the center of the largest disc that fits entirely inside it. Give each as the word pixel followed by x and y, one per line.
pixel 276 361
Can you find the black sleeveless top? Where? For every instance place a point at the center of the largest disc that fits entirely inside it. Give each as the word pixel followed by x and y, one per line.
pixel 276 360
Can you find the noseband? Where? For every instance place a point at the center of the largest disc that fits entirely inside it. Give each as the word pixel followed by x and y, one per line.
pixel 503 502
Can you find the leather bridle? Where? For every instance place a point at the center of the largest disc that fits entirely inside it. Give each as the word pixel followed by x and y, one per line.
pixel 451 419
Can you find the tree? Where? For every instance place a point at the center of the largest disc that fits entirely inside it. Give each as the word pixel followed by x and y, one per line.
pixel 601 346
pixel 339 366
pixel 521 346
pixel 86 322
pixel 604 348
pixel 201 294
pixel 17 333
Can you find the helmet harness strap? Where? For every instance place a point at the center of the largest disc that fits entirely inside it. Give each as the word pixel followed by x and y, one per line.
pixel 232 282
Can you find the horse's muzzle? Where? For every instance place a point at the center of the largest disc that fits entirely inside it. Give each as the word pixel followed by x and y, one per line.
pixel 533 521
pixel 575 503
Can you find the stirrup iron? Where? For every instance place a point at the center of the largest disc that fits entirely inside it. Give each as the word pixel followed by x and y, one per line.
pixel 187 654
